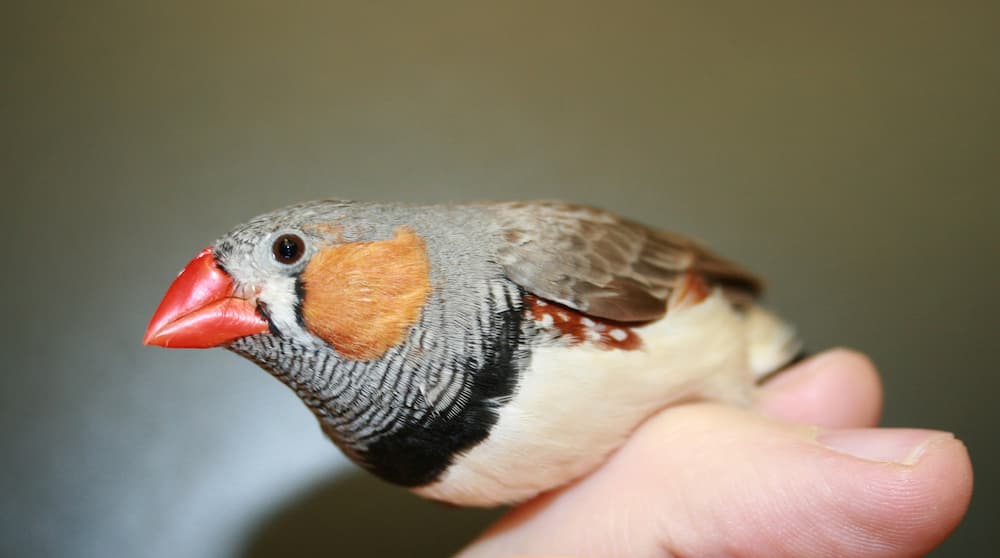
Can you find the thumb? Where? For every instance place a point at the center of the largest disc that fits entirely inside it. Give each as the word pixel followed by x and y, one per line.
pixel 709 480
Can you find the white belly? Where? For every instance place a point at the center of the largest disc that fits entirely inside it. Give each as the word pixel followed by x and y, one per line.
pixel 575 405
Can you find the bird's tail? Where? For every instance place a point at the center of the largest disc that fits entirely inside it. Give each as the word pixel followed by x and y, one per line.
pixel 773 343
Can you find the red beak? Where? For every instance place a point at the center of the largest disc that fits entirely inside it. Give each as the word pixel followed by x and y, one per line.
pixel 201 310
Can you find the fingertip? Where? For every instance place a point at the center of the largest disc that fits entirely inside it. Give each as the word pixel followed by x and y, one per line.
pixel 890 509
pixel 835 358
pixel 839 388
pixel 943 479
pixel 846 357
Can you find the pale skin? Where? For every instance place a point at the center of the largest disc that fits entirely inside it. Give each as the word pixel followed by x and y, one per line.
pixel 805 473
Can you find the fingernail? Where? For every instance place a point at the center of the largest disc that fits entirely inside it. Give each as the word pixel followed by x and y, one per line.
pixel 894 445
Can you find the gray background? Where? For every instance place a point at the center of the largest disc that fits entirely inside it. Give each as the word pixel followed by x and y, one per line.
pixel 845 150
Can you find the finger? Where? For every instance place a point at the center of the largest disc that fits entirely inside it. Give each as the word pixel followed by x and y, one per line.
pixel 708 480
pixel 834 389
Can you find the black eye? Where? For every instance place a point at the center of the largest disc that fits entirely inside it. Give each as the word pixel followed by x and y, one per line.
pixel 288 248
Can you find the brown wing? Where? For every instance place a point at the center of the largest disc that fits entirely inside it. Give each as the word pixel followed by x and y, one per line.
pixel 606 266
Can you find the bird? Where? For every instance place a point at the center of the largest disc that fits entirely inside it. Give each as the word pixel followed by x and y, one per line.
pixel 477 354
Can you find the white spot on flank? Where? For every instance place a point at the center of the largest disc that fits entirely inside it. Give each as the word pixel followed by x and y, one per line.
pixel 563 316
pixel 541 303
pixel 587 322
pixel 618 334
pixel 547 320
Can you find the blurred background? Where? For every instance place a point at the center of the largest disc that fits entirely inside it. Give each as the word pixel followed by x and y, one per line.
pixel 846 151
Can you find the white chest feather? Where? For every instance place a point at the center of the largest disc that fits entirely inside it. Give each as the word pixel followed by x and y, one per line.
pixel 575 405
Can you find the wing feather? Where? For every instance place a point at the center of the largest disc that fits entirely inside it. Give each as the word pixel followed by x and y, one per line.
pixel 604 265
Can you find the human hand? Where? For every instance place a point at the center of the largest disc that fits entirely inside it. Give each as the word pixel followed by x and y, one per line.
pixel 804 475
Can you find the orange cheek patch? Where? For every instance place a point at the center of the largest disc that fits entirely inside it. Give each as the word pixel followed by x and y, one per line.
pixel 363 297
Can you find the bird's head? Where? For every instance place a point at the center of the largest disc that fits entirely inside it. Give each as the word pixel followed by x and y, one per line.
pixel 313 275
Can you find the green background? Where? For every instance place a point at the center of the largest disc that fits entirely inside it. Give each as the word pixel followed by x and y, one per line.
pixel 848 151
